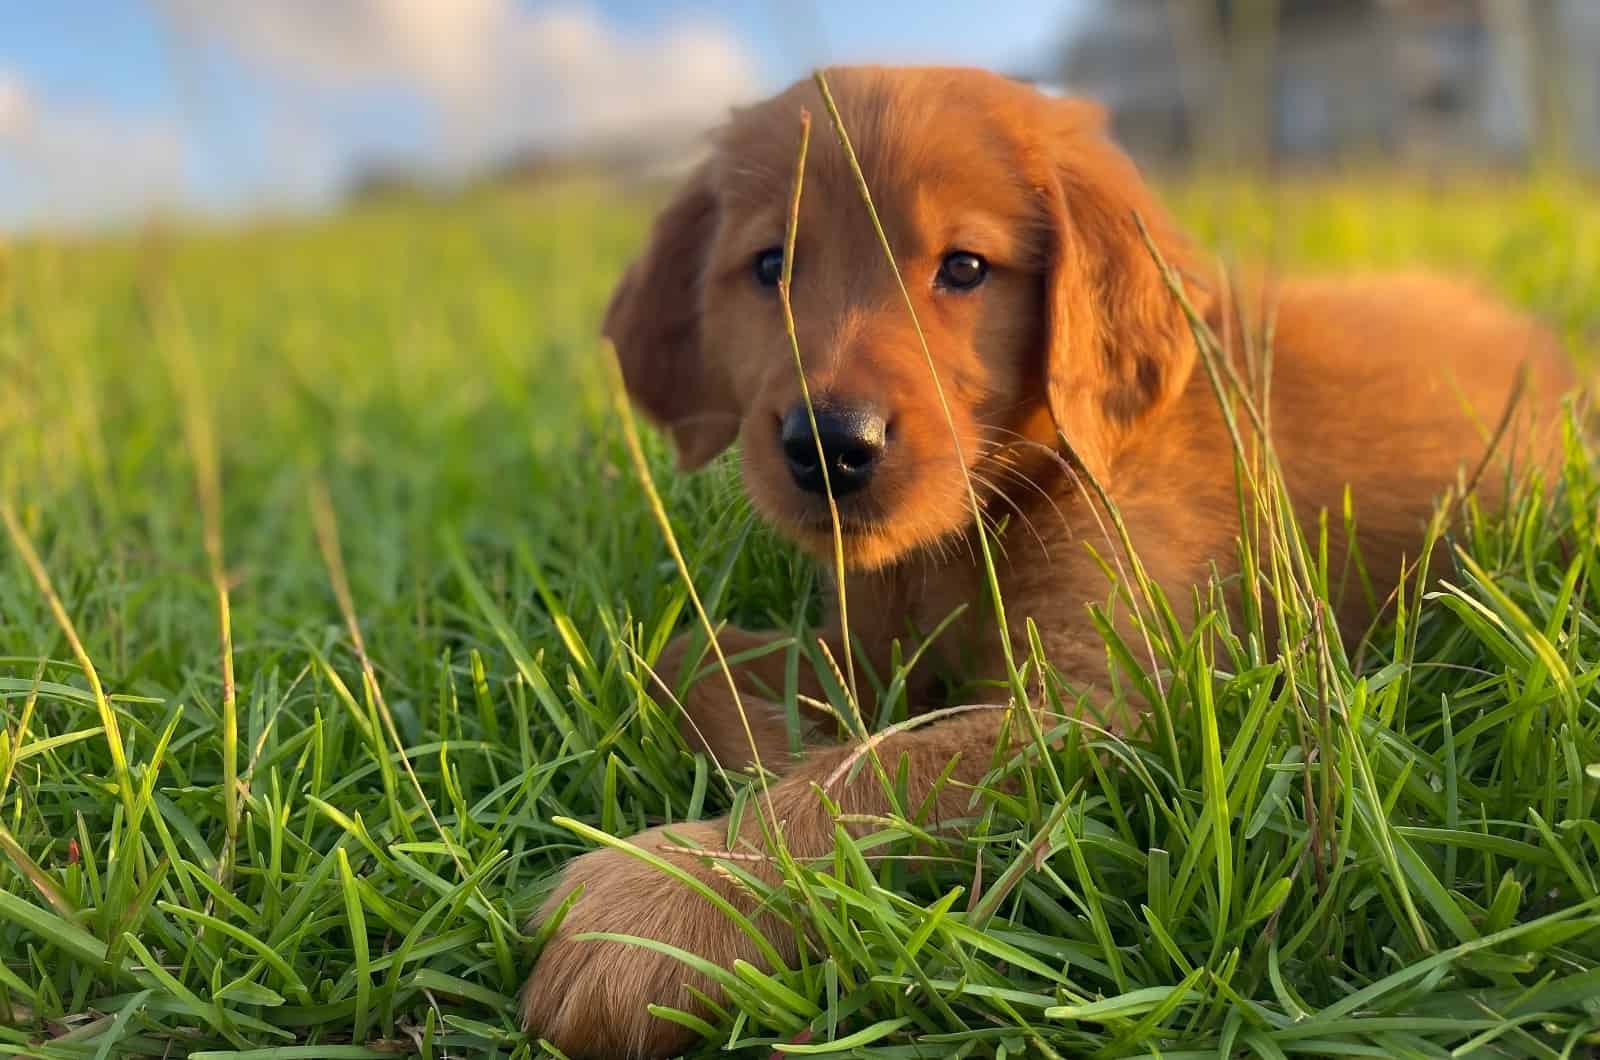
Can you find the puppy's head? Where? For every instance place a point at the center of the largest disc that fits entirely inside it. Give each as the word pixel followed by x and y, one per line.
pixel 1011 218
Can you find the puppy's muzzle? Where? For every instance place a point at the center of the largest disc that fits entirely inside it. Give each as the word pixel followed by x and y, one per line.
pixel 853 439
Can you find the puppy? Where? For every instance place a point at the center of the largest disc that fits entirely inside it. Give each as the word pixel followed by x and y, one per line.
pixel 1012 221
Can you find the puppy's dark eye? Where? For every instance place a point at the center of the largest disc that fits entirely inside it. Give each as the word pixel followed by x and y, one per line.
pixel 962 271
pixel 768 266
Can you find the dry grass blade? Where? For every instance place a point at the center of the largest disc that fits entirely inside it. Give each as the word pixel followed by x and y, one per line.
pixel 630 437
pixel 790 234
pixel 1018 690
pixel 327 531
pixel 200 435
pixel 108 717
pixel 21 736
pixel 870 744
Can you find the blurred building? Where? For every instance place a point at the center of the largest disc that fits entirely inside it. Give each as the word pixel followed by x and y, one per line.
pixel 1288 80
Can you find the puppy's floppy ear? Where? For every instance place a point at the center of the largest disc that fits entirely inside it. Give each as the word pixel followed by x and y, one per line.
pixel 654 322
pixel 1118 347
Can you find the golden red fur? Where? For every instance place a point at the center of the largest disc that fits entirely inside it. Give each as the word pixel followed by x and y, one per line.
pixel 1388 384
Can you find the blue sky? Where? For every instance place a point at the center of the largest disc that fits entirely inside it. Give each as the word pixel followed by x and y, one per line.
pixel 108 107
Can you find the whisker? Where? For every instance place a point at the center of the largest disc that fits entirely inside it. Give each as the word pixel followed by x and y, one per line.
pixel 1015 507
pixel 1016 474
pixel 999 454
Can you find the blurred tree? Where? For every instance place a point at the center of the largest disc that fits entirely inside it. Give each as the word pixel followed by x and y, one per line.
pixel 1256 81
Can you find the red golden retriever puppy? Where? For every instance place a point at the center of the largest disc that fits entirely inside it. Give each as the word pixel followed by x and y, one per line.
pixel 1012 220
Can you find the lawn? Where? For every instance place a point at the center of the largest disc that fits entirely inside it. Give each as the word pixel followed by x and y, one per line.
pixel 386 437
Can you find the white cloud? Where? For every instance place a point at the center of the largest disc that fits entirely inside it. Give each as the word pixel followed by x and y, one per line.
pixel 68 162
pixel 494 74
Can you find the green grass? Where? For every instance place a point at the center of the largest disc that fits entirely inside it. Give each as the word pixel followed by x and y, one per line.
pixel 410 400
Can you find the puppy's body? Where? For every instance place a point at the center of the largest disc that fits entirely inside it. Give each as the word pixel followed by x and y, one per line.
pixel 1390 386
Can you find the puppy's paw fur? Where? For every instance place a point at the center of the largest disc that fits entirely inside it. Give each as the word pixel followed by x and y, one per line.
pixel 591 998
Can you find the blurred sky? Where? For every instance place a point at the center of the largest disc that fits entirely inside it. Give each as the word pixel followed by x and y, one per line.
pixel 110 106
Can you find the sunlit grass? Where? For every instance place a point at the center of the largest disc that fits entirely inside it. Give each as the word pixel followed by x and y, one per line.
pixel 1400 863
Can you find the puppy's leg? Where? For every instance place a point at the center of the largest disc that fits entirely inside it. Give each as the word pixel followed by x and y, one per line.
pixel 711 720
pixel 591 998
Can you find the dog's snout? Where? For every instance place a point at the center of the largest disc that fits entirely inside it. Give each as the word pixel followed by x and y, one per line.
pixel 852 440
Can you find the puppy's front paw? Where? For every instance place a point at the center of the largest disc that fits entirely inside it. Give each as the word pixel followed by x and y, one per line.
pixel 591 998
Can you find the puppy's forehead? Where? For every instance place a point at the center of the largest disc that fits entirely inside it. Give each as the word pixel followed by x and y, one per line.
pixel 910 129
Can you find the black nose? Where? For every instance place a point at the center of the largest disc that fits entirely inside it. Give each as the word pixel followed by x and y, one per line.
pixel 852 438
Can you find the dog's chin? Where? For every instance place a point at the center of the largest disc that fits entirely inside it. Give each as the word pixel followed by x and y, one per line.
pixel 871 539
pixel 878 526
pixel 867 545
